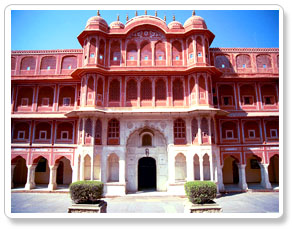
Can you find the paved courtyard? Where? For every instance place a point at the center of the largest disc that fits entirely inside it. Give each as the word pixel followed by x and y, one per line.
pixel 59 202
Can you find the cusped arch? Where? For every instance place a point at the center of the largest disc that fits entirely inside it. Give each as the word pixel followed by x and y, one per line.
pixel 235 156
pixel 139 129
pixel 36 158
pixel 15 158
pixel 149 22
pixel 60 157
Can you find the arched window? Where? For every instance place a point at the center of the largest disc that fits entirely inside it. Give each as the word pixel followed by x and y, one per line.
pixel 131 52
pixel 48 62
pixel 248 95
pixel 69 62
pixel 101 55
pixel 194 130
pixel 88 131
pixel 160 90
pixel 115 55
pixel 90 91
pixel 177 90
pixel 222 61
pixel 207 50
pixel 202 88
pixel 92 50
pixel 160 53
pixel 180 168
pixel 146 52
pixel 263 61
pixel 229 130
pixel 146 140
pixel 251 130
pixel 21 132
pixel 243 61
pixel 272 130
pixel 269 95
pixel 28 63
pixel 190 51
pixel 205 130
pixel 98 132
pixel 114 91
pixel 99 92
pixel 193 90
pixel 131 90
pixel 113 132
pixel 146 90
pixel 199 47
pixel 226 95
pixel 176 53
pixel 113 168
pixel 179 131
pixel 13 63
pixel 66 96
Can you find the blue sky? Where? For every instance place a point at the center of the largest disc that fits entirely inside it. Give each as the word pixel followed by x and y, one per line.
pixel 58 29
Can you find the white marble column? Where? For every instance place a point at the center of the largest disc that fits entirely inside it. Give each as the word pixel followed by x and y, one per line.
pixel 12 173
pixel 103 167
pixel 30 183
pixel 122 169
pixel 221 187
pixel 211 166
pixel 199 130
pixel 171 169
pixel 242 178
pixel 82 168
pixel 190 167
pixel 53 175
pixel 265 182
pixel 201 168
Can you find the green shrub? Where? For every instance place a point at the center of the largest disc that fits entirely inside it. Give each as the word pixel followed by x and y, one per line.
pixel 200 192
pixel 86 192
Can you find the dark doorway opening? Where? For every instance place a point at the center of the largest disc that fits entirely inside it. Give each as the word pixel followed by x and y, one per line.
pixel 235 172
pixel 60 173
pixel 147 174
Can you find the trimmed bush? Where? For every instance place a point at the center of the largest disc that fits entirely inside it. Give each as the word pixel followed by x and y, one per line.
pixel 200 192
pixel 86 192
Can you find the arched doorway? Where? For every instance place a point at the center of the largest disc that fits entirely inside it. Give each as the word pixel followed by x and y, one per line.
pixel 64 172
pixel 20 173
pixel 230 171
pixel 274 170
pixel 253 172
pixel 147 174
pixel 60 173
pixel 42 171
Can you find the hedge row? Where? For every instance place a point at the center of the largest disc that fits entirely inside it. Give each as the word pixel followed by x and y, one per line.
pixel 200 192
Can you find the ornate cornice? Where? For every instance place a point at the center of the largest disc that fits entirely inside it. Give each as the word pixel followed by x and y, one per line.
pixel 247 50
pixel 54 51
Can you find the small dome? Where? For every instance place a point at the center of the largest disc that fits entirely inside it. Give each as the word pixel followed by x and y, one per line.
pixel 117 25
pixel 175 25
pixel 96 22
pixel 195 22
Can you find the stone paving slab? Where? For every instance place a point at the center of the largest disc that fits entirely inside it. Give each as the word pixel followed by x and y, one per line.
pixel 59 203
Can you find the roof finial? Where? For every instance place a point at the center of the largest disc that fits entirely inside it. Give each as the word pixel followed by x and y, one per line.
pixel 194 13
pixel 155 13
pixel 118 17
pixel 136 13
pixel 98 14
pixel 127 17
pixel 145 12
pixel 173 17
pixel 164 17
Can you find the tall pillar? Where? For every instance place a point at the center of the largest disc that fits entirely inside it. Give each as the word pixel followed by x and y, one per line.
pixel 221 187
pixel 83 131
pixel 92 142
pixel 201 168
pixel 53 176
pixel 199 130
pixel 82 168
pixel 265 176
pixel 12 173
pixel 30 183
pixel 171 169
pixel 103 167
pixel 122 169
pixel 242 177
pixel 190 167
pixel 75 170
pixel 211 166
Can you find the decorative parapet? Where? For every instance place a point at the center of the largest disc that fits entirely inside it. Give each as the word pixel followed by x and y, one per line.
pixel 247 50
pixel 55 51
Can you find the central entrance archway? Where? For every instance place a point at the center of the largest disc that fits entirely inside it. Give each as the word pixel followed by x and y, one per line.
pixel 147 174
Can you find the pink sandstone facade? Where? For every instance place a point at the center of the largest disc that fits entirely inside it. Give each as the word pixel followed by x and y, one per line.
pixel 145 105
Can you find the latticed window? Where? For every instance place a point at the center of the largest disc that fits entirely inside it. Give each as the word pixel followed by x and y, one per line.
pixel 98 129
pixel 243 61
pixel 114 91
pixel 113 128
pixel 177 90
pixel 146 140
pixel 88 128
pixel 194 129
pixel 160 90
pixel 263 61
pixel 146 90
pixel 131 90
pixel 179 128
pixel 222 61
pixel 205 127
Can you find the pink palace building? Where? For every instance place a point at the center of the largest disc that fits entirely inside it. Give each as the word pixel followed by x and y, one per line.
pixel 145 106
